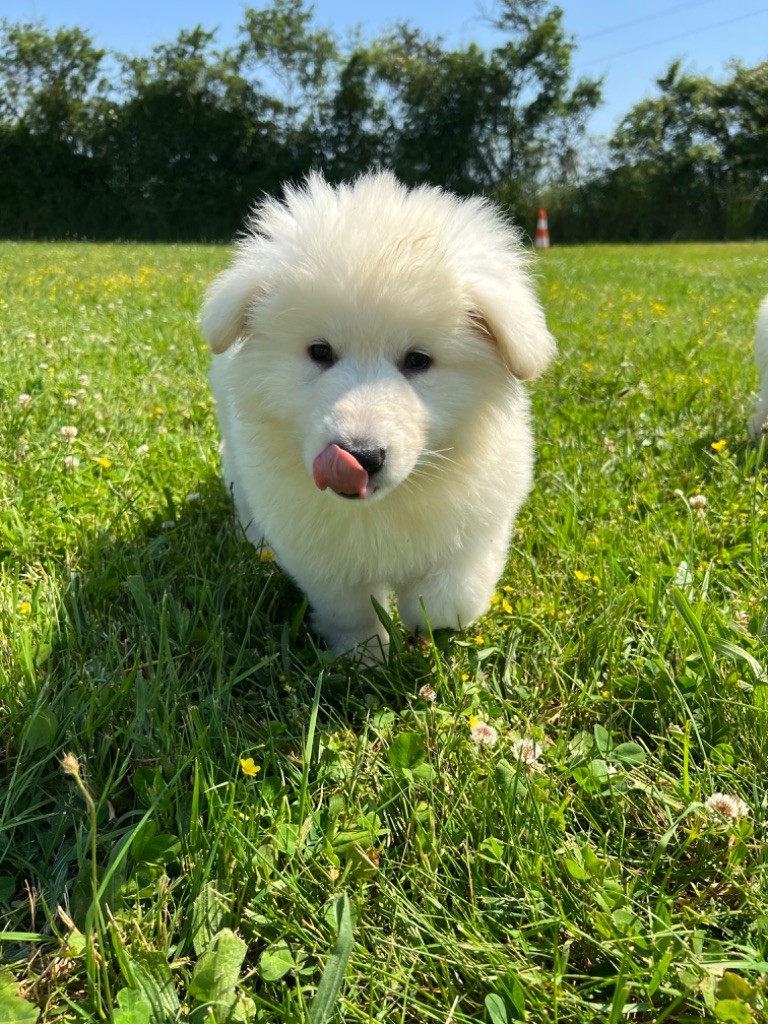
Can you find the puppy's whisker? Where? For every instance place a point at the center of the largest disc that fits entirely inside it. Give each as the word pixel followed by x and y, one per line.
pixel 433 459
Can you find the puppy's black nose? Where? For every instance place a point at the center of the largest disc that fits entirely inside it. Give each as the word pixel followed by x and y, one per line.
pixel 371 459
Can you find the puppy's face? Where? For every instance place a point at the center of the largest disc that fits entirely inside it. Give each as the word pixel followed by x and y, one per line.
pixel 373 384
pixel 374 325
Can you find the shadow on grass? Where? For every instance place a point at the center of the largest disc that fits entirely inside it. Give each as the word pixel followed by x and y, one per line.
pixel 178 651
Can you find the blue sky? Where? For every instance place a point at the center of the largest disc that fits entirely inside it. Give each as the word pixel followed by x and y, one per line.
pixel 630 46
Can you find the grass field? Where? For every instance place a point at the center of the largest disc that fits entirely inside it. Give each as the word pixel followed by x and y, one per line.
pixel 247 829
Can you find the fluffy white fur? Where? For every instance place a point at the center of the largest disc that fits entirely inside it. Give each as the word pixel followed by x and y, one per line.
pixel 378 271
pixel 760 419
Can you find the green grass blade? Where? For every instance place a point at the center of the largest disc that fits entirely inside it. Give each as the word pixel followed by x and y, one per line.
pixel 324 1003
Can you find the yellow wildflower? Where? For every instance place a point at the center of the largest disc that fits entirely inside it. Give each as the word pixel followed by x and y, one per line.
pixel 249 767
pixel 582 577
pixel 25 608
pixel 104 462
pixel 718 446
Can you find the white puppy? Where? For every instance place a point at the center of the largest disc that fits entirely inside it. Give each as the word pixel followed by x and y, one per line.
pixel 370 342
pixel 760 418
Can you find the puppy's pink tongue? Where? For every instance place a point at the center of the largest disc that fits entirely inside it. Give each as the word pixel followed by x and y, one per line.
pixel 334 467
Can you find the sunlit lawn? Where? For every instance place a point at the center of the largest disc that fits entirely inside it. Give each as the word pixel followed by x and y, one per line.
pixel 517 823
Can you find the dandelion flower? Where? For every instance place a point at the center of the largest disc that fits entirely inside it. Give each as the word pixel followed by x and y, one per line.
pixel 428 693
pixel 718 446
pixel 249 767
pixel 25 608
pixel 104 462
pixel 483 735
pixel 24 400
pixel 726 808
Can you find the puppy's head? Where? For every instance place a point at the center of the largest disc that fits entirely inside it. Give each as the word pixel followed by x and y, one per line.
pixel 371 324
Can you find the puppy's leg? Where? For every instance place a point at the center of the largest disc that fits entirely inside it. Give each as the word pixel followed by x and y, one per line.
pixel 759 425
pixel 454 597
pixel 346 620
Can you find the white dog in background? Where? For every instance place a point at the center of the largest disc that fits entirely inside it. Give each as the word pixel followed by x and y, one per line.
pixel 760 419
pixel 370 342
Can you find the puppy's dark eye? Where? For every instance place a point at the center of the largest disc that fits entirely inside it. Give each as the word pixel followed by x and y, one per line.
pixel 416 362
pixel 321 353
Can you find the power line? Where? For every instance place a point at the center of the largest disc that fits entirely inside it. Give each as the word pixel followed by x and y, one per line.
pixel 644 19
pixel 671 39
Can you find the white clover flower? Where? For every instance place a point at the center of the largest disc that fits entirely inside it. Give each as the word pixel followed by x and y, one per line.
pixel 71 402
pixel 71 462
pixel 84 379
pixel 726 808
pixel 143 449
pixel 70 433
pixel 24 400
pixel 483 734
pixel 428 693
pixel 195 496
pixel 698 503
pixel 527 752
pixel 169 524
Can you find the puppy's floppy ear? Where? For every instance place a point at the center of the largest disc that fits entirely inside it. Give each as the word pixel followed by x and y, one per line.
pixel 224 316
pixel 507 312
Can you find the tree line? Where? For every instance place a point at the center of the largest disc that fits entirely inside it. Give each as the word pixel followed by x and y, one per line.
pixel 178 145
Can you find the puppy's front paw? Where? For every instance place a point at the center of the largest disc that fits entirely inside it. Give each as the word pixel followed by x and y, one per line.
pixel 348 624
pixel 446 600
pixel 371 647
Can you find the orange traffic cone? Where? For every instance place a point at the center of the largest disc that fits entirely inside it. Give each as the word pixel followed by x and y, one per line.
pixel 541 241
